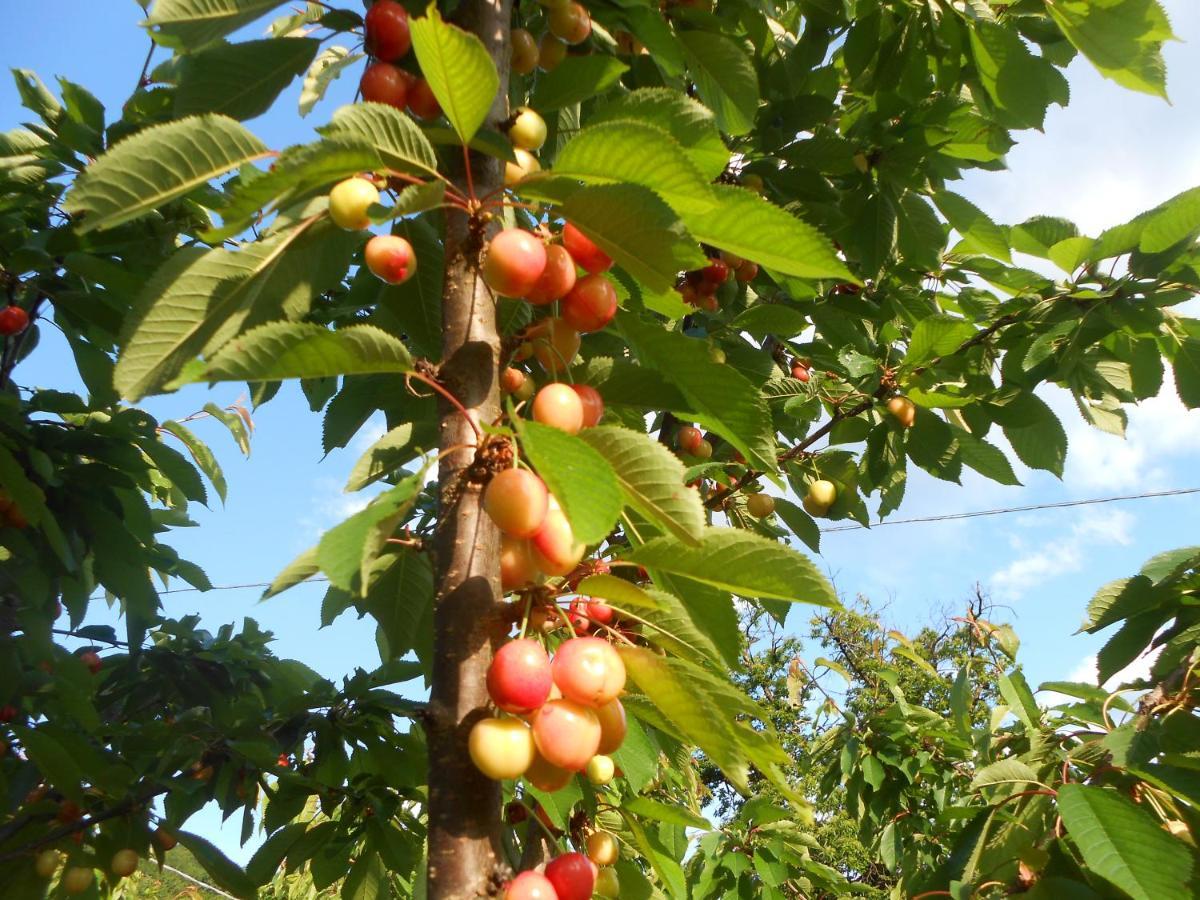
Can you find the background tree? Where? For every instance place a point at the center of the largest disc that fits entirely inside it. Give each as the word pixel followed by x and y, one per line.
pixel 790 272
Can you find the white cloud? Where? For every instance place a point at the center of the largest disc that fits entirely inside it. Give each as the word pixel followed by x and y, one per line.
pixel 1062 555
pixel 1160 429
pixel 1088 672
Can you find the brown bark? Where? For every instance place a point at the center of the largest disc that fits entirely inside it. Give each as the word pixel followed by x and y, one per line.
pixel 464 806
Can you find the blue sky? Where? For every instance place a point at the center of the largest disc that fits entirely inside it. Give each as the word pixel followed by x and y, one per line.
pixel 1110 155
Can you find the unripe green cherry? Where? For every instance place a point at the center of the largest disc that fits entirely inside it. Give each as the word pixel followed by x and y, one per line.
pixel 526 165
pixel 501 748
pixel 821 495
pixel 528 129
pixel 600 771
pixel 349 201
pixel 760 505
pixel 608 883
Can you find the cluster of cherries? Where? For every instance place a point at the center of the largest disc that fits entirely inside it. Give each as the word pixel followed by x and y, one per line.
pixel 388 40
pixel 699 287
pixel 564 716
pixel 568 23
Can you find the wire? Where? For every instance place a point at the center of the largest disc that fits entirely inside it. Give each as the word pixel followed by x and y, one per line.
pixel 1175 492
pixel 947 517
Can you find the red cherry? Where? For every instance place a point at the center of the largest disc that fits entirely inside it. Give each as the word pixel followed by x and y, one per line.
pixel 612 727
pixel 517 501
pixel 421 101
pixel 91 659
pixel 13 320
pixel 593 404
pixel 800 373
pixel 530 886
pixel 519 680
pixel 584 251
pixel 746 272
pixel 385 83
pixel 579 618
pixel 511 380
pixel 716 272
pixel 588 671
pixel 600 613
pixel 515 261
pixel 572 875
pixel 388 34
pixel 591 304
pixel 8 712
pixel 557 278
pixel 390 258
pixel 689 439
pixel 284 761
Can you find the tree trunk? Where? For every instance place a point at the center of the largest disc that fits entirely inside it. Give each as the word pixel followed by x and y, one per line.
pixel 464 806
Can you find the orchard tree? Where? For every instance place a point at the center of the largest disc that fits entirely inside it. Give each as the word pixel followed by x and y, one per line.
pixel 627 279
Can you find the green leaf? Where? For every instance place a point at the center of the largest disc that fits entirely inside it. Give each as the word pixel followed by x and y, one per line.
pixel 749 226
pixel 1124 845
pixel 1020 84
pixel 52 759
pixel 1174 221
pixel 241 80
pixel 202 455
pixel 621 593
pixel 935 336
pixel 581 479
pixel 651 479
pixel 400 143
pixel 1186 364
pixel 646 808
pixel 1037 436
pixel 1121 599
pixel 267 858
pixel 1006 771
pixel 984 458
pixel 196 301
pixel 193 23
pixel 979 231
pixel 325 69
pixel 721 398
pixel 225 873
pixel 303 350
pixel 690 122
pixel 459 71
pixel 635 153
pixel 1016 693
pixel 368 879
pixel 576 78
pixel 741 562
pixel 158 165
pixel 1122 39
pixel 347 551
pixel 637 229
pixel 671 685
pixel 298 171
pixel 725 78
pixel 400 445
pixel 299 570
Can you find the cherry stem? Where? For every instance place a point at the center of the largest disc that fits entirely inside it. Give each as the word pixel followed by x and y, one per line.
pixel 470 178
pixel 449 397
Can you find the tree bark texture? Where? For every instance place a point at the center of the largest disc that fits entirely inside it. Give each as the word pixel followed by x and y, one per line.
pixel 464 806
